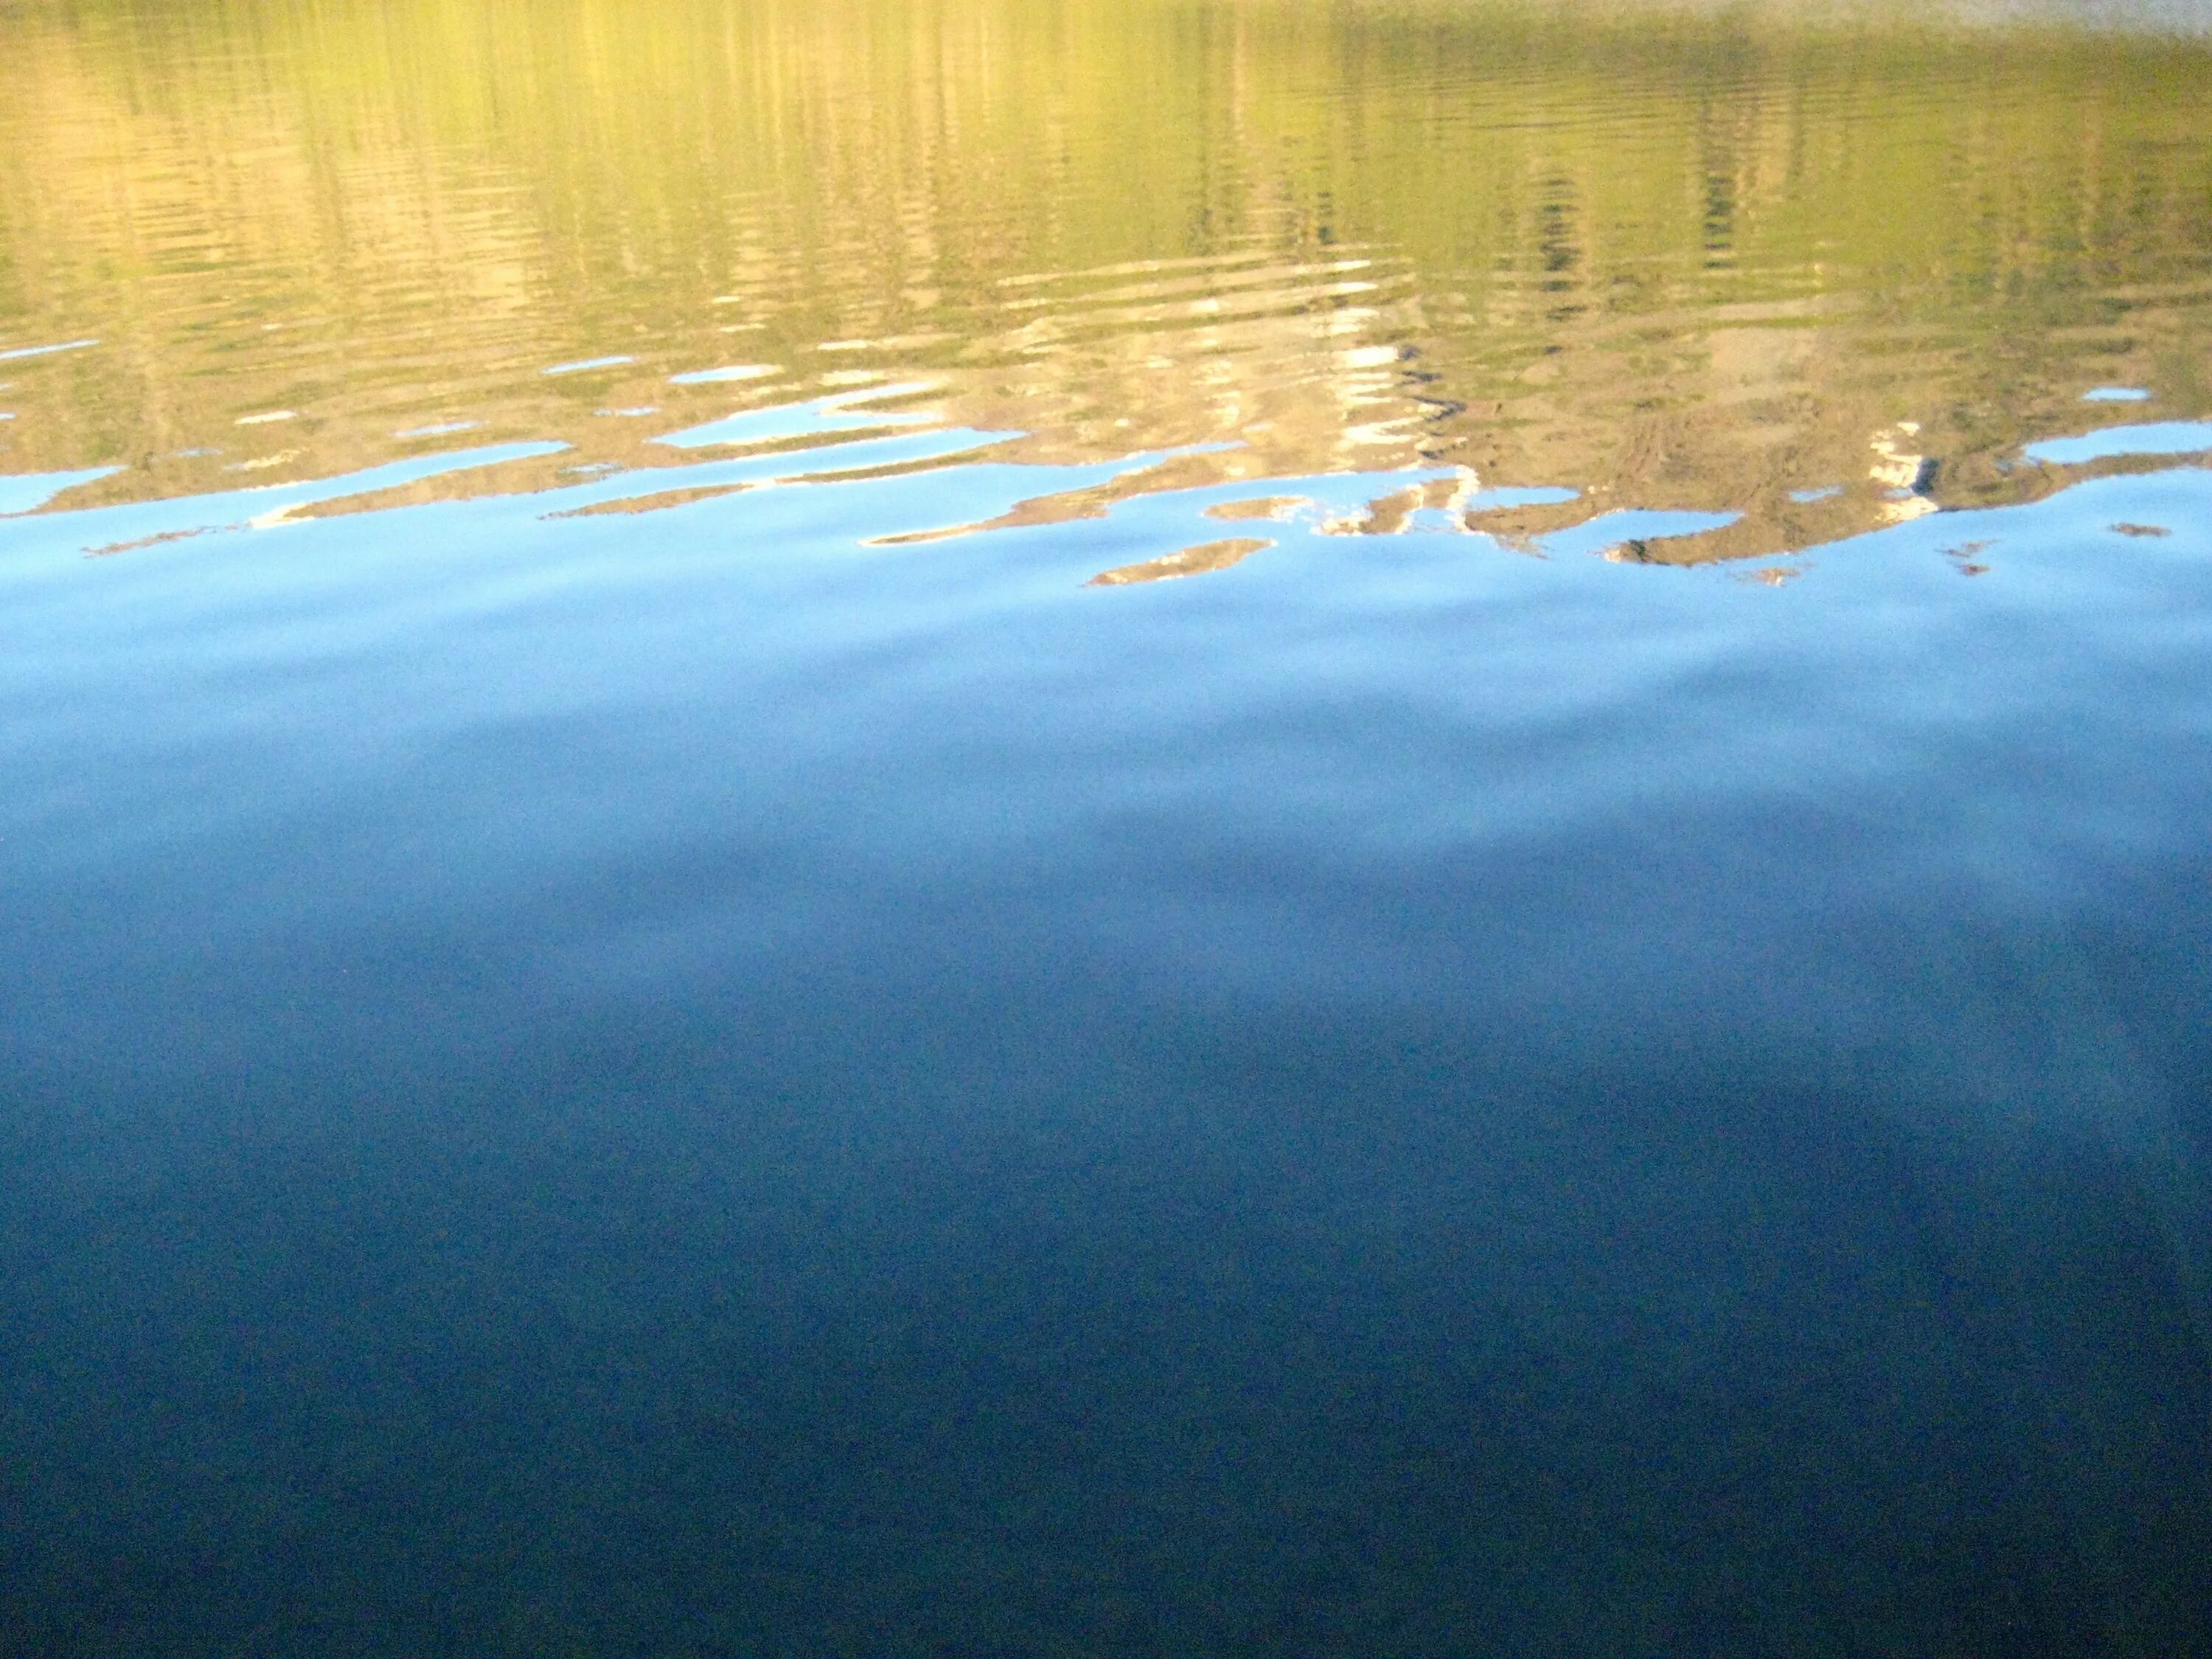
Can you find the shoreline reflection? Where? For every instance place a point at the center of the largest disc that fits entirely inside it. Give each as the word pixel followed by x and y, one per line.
pixel 1670 260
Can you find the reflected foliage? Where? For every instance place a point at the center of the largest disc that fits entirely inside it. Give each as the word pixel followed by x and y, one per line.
pixel 1670 258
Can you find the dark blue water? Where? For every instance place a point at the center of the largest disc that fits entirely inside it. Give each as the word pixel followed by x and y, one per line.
pixel 704 1081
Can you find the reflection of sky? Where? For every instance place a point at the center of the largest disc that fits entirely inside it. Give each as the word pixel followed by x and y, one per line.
pixel 236 509
pixel 1618 529
pixel 846 412
pixel 951 479
pixel 16 352
pixel 26 492
pixel 723 990
pixel 1265 692
pixel 736 372
pixel 2159 438
pixel 583 364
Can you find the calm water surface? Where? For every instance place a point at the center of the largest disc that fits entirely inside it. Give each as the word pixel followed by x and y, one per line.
pixel 1200 827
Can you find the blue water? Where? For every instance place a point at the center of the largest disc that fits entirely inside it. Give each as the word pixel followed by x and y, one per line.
pixel 710 1080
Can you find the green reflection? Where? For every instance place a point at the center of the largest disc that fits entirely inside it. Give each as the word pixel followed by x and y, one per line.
pixel 1720 260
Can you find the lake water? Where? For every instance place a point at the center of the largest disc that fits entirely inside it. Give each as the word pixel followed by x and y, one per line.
pixel 1104 827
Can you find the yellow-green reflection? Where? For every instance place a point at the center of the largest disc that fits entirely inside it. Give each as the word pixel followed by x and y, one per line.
pixel 1720 261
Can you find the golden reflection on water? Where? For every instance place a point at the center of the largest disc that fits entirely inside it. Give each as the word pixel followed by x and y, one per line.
pixel 1825 274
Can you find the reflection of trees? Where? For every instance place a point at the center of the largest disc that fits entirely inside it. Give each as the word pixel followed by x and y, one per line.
pixel 1677 261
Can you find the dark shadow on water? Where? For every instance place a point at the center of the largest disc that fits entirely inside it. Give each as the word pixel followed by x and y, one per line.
pixel 874 1312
